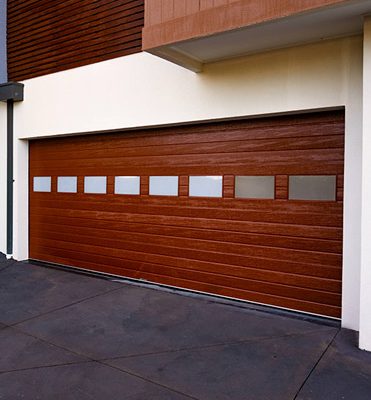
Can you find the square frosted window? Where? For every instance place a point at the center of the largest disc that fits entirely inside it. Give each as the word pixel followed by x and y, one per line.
pixel 95 184
pixel 42 184
pixel 67 184
pixel 254 187
pixel 206 186
pixel 127 185
pixel 312 187
pixel 163 185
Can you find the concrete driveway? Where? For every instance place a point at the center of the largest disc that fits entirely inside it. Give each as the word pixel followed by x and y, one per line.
pixel 70 336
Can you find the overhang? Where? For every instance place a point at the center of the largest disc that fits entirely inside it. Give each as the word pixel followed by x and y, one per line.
pixel 166 39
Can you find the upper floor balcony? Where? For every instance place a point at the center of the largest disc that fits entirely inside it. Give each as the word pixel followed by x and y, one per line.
pixel 192 33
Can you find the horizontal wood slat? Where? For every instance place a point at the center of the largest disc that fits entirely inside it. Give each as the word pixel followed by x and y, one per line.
pixel 44 38
pixel 281 252
pixel 259 239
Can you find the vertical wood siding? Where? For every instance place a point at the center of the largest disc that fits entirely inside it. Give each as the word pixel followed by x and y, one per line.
pixel 281 252
pixel 172 21
pixel 46 37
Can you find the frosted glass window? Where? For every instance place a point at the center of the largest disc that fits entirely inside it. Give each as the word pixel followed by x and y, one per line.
pixel 254 187
pixel 163 185
pixel 313 187
pixel 42 184
pixel 67 184
pixel 127 185
pixel 206 186
pixel 95 184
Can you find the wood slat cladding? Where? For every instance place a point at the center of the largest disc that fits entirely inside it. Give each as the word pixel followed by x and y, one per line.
pixel 46 37
pixel 172 21
pixel 280 252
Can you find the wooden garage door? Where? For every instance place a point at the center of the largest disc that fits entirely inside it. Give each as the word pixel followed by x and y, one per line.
pixel 282 251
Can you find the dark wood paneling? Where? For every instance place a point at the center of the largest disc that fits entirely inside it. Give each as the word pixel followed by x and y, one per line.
pixel 46 37
pixel 281 252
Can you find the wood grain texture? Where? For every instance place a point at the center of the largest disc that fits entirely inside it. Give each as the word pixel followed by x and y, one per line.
pixel 172 21
pixel 280 252
pixel 46 37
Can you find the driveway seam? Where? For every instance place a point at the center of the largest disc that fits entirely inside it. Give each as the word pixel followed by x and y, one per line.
pixel 45 366
pixel 149 381
pixel 63 307
pixel 89 360
pixel 211 346
pixel 315 366
pixel 194 348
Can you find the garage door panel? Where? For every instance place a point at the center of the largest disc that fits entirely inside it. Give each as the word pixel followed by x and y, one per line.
pixel 135 260
pixel 292 207
pixel 283 252
pixel 258 145
pixel 249 168
pixel 204 134
pixel 223 244
pixel 117 229
pixel 214 211
pixel 217 248
pixel 238 226
pixel 243 267
pixel 168 160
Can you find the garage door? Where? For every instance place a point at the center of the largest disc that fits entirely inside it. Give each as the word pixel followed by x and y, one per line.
pixel 245 209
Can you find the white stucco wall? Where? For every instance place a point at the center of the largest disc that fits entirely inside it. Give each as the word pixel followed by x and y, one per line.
pixel 365 306
pixel 142 90
pixel 3 177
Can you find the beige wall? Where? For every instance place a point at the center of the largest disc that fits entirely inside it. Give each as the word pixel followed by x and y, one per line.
pixel 142 90
pixel 365 290
pixel 3 177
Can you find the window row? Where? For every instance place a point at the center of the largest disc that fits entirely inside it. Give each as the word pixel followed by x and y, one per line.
pixel 303 187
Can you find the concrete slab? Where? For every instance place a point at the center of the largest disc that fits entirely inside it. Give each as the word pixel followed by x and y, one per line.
pixel 86 381
pixel 19 351
pixel 27 290
pixel 137 320
pixel 153 344
pixel 259 370
pixel 344 372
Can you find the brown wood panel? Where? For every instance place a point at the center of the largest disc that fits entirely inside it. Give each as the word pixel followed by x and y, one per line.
pixel 304 231
pixel 131 18
pixel 206 4
pixel 282 187
pixel 118 227
pixel 183 185
pixel 208 17
pixel 236 254
pixel 280 252
pixel 46 37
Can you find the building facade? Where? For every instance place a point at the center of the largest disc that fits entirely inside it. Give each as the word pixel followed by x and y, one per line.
pixel 217 146
pixel 3 69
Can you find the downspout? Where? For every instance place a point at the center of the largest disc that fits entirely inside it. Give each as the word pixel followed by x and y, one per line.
pixel 10 92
